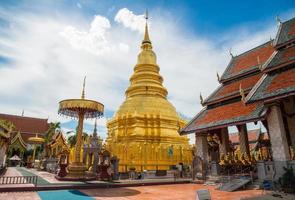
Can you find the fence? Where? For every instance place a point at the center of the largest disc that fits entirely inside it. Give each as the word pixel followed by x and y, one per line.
pixel 19 180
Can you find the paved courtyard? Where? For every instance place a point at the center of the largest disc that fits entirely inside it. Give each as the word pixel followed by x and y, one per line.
pixel 162 192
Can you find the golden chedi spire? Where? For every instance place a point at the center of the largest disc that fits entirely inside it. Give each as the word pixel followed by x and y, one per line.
pixel 146 79
pixel 144 131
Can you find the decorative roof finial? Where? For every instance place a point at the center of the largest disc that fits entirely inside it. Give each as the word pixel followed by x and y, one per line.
pixel 242 93
pixel 259 64
pixel 146 38
pixel 201 98
pixel 23 112
pixel 278 20
pixel 230 52
pixel 83 90
pixel 218 77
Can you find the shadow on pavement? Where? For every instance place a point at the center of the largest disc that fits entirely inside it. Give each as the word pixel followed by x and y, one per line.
pixel 111 192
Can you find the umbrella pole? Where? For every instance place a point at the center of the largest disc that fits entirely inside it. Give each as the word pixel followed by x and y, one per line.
pixel 34 152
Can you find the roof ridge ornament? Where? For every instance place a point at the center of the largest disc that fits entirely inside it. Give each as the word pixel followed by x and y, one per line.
pixel 242 93
pixel 279 21
pixel 218 77
pixel 230 52
pixel 259 63
pixel 201 99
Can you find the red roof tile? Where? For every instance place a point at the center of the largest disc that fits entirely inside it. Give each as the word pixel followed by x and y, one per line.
pixel 286 33
pixel 292 29
pixel 231 89
pixel 276 84
pixel 248 60
pixel 226 112
pixel 222 116
pixel 27 124
pixel 282 80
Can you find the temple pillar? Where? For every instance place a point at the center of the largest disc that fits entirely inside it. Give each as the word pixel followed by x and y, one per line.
pixel 289 106
pixel 202 146
pixel 278 139
pixel 201 156
pixel 243 137
pixel 224 142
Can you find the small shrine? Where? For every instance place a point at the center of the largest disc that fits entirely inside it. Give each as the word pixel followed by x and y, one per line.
pixel 91 150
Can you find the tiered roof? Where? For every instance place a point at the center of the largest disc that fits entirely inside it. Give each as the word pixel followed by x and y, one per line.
pixel 247 62
pixel 223 116
pixel 286 33
pixel 278 80
pixel 27 126
pixel 245 74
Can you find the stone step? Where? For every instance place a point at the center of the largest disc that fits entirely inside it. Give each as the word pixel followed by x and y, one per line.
pixel 234 184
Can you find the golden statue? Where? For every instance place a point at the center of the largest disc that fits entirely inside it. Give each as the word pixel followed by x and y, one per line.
pixel 223 160
pixel 245 159
pixel 143 133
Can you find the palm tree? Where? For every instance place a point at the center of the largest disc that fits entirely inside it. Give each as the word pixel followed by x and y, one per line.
pixel 51 131
pixel 73 139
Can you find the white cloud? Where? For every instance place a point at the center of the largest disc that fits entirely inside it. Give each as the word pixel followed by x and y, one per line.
pixel 51 56
pixel 130 20
pixel 94 40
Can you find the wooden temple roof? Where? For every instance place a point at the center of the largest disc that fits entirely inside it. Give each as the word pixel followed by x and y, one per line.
pixel 27 124
pixel 223 116
pixel 247 62
pixel 274 85
pixel 286 33
pixel 281 58
pixel 231 90
pixel 278 80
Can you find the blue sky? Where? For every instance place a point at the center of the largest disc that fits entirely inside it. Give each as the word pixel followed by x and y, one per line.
pixel 47 47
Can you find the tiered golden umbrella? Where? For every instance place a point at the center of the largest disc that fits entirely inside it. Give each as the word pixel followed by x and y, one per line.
pixel 35 141
pixel 79 109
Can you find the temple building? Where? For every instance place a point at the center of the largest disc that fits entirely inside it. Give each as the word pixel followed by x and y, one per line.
pixel 257 85
pixel 23 129
pixel 143 133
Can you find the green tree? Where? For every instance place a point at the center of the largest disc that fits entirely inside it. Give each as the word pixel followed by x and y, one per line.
pixel 73 139
pixel 48 136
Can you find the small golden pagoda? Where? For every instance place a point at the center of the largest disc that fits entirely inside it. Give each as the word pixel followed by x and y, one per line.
pixel 143 133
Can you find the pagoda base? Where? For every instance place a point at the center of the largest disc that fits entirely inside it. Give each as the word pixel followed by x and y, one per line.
pixel 76 173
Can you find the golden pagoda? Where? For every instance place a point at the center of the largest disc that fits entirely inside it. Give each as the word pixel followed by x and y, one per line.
pixel 143 133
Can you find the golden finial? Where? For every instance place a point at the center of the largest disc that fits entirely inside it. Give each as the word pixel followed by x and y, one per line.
pixel 146 38
pixel 242 93
pixel 201 98
pixel 83 90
